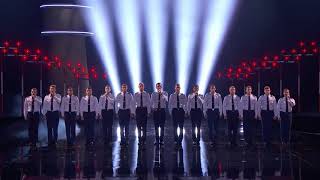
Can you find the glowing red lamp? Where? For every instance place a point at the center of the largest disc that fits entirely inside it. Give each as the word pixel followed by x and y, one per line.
pixel 313 43
pixel 230 70
pixel 301 43
pixel 18 44
pixel 276 58
pixel 293 51
pixel 45 58
pixel 6 44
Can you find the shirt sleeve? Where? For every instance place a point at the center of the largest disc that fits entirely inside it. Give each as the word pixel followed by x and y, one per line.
pixel 241 106
pixel 100 104
pixel 97 109
pixel 278 108
pixel 189 104
pixel 25 108
pixel 220 105
pixel 44 108
pixel 225 106
pixel 58 98
pixel 132 105
pixel 205 102
pixel 275 106
pixel 77 106
pixel 258 109
pixel 170 104
pixel 116 104
pixel 81 107
pixel 165 95
pixel 292 102
pixel 62 107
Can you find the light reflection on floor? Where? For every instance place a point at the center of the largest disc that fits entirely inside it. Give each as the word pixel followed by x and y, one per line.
pixel 151 162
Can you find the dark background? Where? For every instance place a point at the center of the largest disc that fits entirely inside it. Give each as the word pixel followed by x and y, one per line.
pixel 258 28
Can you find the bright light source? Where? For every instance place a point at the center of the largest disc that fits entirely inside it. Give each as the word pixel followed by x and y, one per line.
pixel 155 14
pixel 187 23
pixel 216 25
pixel 99 22
pixel 127 15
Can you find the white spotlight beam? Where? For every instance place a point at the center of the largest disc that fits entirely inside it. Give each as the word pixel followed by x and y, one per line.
pixel 155 14
pixel 219 16
pixel 128 21
pixel 99 23
pixel 186 26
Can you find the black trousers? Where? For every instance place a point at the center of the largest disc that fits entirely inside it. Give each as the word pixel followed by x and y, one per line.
pixel 124 118
pixel 285 126
pixel 33 119
pixel 141 118
pixel 213 118
pixel 178 121
pixel 52 126
pixel 107 122
pixel 159 118
pixel 196 117
pixel 248 125
pixel 267 118
pixel 233 120
pixel 89 123
pixel 70 123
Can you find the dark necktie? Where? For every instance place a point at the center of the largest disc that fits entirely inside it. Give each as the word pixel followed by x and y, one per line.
pixel 51 103
pixel 141 101
pixel 70 104
pixel 212 101
pixel 287 105
pixel 268 103
pixel 124 101
pixel 249 103
pixel 32 105
pixel 89 108
pixel 232 103
pixel 106 105
pixel 159 101
pixel 196 101
pixel 178 101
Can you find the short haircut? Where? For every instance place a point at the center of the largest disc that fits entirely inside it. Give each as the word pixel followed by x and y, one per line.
pixel 89 87
pixel 123 84
pixel 286 89
pixel 212 85
pixel 232 86
pixel 248 86
pixel 52 86
pixel 158 84
pixel 267 87
pixel 69 87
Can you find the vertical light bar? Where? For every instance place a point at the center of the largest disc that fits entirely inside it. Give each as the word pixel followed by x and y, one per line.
pixel 128 21
pixel 99 23
pixel 219 16
pixel 186 26
pixel 155 14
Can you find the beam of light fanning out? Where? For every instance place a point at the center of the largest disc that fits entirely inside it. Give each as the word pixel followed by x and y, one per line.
pixel 99 23
pixel 128 21
pixel 155 14
pixel 220 13
pixel 186 26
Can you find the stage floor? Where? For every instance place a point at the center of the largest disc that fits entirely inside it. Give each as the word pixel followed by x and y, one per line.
pixel 18 161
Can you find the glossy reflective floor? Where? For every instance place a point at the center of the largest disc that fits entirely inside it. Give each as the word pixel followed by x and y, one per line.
pixel 18 161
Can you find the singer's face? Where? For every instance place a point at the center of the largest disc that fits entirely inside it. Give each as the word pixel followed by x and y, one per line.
pixel 178 88
pixel 232 90
pixel 89 92
pixel 33 92
pixel 52 90
pixel 249 90
pixel 195 89
pixel 124 88
pixel 212 89
pixel 159 87
pixel 70 91
pixel 141 87
pixel 286 93
pixel 107 89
